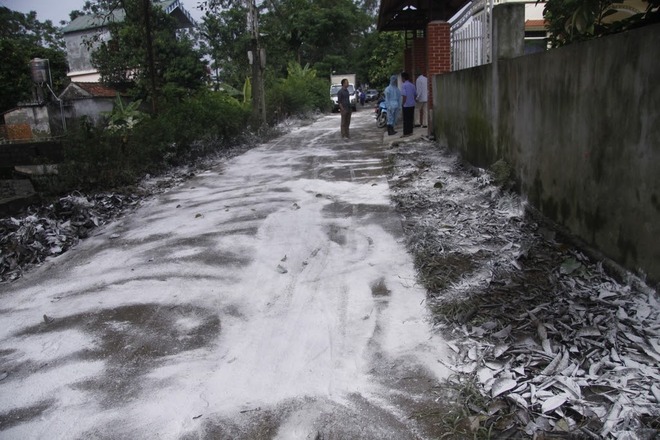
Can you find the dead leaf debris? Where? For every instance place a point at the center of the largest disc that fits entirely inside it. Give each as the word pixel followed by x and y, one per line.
pixel 50 229
pixel 28 238
pixel 557 347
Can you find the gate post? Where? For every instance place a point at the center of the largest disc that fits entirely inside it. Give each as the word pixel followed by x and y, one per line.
pixel 438 50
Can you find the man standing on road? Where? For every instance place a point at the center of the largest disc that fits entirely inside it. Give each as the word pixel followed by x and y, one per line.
pixel 421 110
pixel 344 100
pixel 408 93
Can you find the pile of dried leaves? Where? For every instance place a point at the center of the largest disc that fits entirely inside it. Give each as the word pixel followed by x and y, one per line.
pixel 29 238
pixel 557 347
pixel 51 229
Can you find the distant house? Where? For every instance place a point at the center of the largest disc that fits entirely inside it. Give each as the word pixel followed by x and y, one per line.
pixel 536 26
pixel 80 32
pixel 89 100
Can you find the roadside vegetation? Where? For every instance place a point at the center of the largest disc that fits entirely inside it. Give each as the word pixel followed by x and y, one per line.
pixel 186 93
pixel 572 21
pixel 183 94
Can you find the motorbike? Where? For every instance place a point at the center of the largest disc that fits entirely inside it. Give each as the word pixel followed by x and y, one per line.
pixel 381 113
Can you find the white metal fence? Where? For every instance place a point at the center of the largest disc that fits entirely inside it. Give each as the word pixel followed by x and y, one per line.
pixel 472 35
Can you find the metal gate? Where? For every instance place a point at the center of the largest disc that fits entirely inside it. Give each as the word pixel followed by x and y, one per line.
pixel 472 35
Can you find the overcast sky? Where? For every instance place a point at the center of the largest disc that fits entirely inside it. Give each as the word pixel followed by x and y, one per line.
pixel 57 10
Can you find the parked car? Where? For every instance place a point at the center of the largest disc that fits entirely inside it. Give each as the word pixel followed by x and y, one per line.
pixel 372 95
pixel 333 96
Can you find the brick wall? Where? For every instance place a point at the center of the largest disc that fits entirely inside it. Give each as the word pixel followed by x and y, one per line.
pixel 419 56
pixel 438 49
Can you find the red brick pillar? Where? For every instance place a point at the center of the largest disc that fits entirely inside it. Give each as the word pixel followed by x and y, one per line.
pixel 419 57
pixel 438 52
pixel 407 59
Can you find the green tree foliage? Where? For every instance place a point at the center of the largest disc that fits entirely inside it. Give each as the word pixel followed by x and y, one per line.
pixel 383 53
pixel 571 21
pixel 299 93
pixel 226 42
pixel 124 61
pixel 22 38
pixel 327 35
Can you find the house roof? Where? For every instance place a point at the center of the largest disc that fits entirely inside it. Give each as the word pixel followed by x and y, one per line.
pixel 81 90
pixel 535 25
pixel 87 22
pixel 402 15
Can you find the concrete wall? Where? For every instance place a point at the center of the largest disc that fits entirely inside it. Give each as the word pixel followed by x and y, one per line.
pixel 93 109
pixel 581 127
pixel 28 122
pixel 79 53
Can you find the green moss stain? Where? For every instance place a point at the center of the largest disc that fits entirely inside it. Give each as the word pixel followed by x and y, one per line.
pixel 502 173
pixel 479 140
pixel 627 249
pixel 595 221
pixel 597 161
pixel 550 208
pixel 565 210
pixel 536 191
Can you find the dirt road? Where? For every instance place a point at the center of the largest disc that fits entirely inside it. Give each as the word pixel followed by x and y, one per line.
pixel 268 298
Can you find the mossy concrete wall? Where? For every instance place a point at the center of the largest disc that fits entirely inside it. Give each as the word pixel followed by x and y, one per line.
pixel 580 126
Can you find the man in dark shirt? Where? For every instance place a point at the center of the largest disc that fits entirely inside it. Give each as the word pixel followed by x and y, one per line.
pixel 344 100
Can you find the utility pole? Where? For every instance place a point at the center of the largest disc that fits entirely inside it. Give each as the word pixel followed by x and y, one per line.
pixel 150 54
pixel 258 60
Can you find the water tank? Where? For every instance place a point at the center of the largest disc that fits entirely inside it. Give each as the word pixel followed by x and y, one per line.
pixel 39 70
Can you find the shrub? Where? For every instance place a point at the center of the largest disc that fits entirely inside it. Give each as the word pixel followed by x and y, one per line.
pixel 102 157
pixel 300 93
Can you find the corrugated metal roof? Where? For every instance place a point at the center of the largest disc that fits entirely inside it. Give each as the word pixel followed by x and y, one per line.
pixel 409 15
pixel 87 22
pixel 534 24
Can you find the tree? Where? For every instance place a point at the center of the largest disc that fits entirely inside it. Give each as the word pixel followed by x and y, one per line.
pixel 172 69
pixel 571 21
pixel 226 43
pixel 22 38
pixel 326 34
pixel 384 55
pixel 316 32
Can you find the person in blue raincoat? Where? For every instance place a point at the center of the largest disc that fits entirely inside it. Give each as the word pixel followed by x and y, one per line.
pixel 393 103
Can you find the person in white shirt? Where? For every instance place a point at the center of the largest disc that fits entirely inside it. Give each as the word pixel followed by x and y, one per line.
pixel 421 110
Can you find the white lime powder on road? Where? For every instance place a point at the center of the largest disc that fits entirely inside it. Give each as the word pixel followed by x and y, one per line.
pixel 273 292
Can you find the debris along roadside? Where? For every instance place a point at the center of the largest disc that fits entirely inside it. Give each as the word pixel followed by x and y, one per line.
pixel 556 347
pixel 50 229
